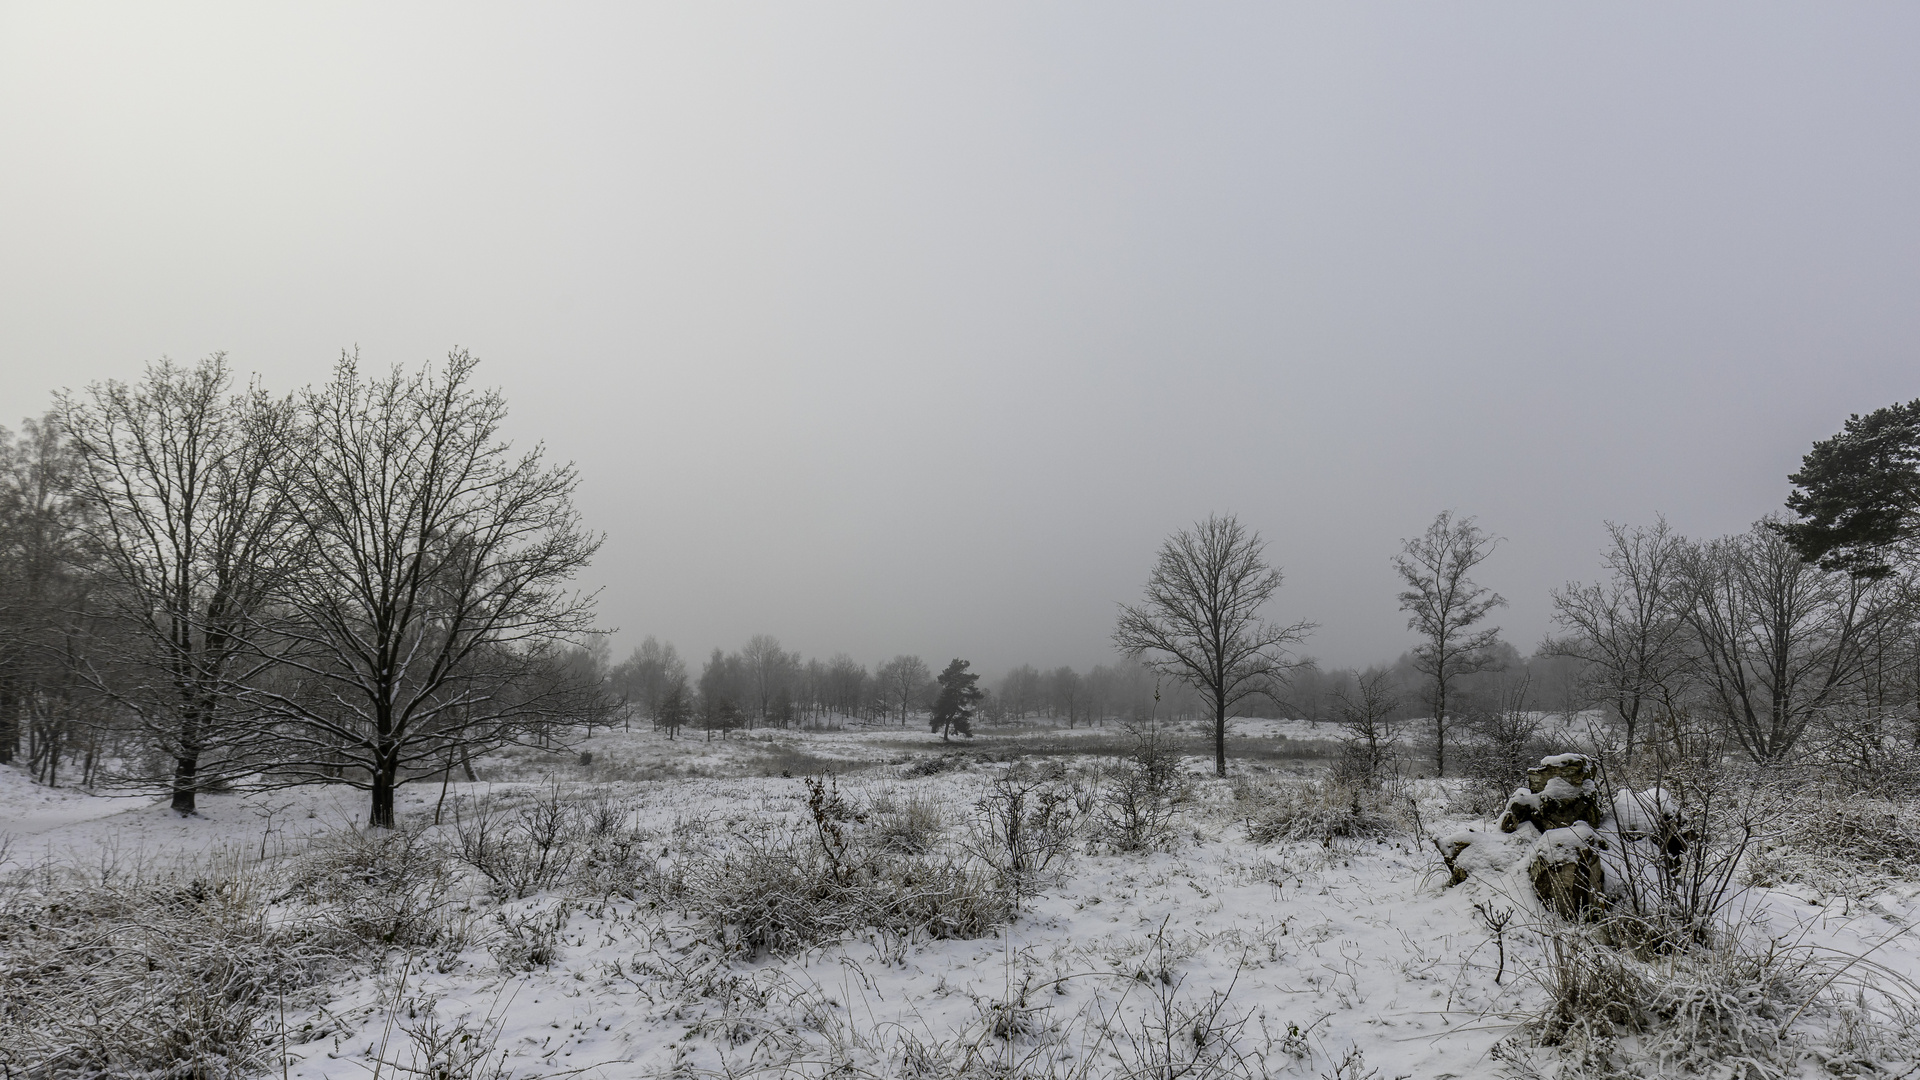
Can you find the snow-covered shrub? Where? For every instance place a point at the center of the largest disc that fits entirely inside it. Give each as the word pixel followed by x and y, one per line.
pixel 621 862
pixel 1499 743
pixel 383 888
pixel 1028 821
pixel 1322 811
pixel 1862 748
pixel 1840 845
pixel 1363 763
pixel 168 976
pixel 1140 794
pixel 443 1048
pixel 1692 1011
pixel 909 824
pixel 1674 852
pixel 529 939
pixel 1475 799
pixel 1662 975
pixel 935 765
pixel 841 872
pixel 773 889
pixel 523 851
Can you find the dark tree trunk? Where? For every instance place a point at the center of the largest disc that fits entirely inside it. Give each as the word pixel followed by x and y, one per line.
pixel 383 785
pixel 1220 738
pixel 185 783
pixel 9 722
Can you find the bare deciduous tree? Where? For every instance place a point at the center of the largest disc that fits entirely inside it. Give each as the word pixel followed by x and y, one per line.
pixel 1200 621
pixel 45 580
pixel 192 534
pixel 1020 691
pixel 1366 716
pixel 1064 691
pixel 769 671
pixel 903 684
pixel 1776 639
pixel 645 676
pixel 1630 629
pixel 435 607
pixel 1444 605
pixel 845 689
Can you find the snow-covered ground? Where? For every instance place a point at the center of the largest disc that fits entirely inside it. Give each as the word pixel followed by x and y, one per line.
pixel 1348 958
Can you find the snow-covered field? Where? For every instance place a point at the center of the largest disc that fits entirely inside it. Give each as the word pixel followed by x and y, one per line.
pixel 1216 956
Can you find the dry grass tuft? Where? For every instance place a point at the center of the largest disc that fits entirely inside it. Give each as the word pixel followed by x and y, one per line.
pixel 1322 811
pixel 161 975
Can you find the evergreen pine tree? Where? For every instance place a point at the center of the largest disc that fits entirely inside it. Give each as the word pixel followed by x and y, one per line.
pixel 953 709
pixel 1858 493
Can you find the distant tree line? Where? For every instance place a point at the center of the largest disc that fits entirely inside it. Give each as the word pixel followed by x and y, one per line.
pixel 360 583
pixel 762 685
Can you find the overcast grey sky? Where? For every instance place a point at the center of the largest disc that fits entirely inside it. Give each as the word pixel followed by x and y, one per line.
pixel 891 327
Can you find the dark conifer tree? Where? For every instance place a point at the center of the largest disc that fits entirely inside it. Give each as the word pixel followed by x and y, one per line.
pixel 1858 493
pixel 953 709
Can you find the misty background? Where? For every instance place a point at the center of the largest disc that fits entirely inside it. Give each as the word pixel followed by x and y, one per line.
pixel 887 330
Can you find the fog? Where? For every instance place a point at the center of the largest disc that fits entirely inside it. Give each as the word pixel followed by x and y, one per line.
pixel 900 329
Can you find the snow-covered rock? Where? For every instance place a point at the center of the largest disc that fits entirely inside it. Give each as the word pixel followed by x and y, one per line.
pixel 1566 870
pixel 1560 790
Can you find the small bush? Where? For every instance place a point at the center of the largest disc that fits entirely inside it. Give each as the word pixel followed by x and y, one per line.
pixel 909 825
pixel 1476 799
pixel 1028 821
pixel 1322 811
pixel 1841 846
pixel 377 887
pixel 934 766
pixel 530 939
pixel 167 976
pixel 773 890
pixel 447 1049
pixel 1140 795
pixel 1694 1011
pixel 524 851
pixel 1664 975
pixel 843 871
pixel 1865 749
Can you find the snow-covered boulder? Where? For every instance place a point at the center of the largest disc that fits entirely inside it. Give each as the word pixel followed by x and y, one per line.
pixel 1477 852
pixel 1566 871
pixel 1575 769
pixel 1560 791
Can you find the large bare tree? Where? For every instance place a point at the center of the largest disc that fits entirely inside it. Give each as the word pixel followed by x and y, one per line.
pixel 1444 605
pixel 1631 628
pixel 1777 640
pixel 435 613
pixel 192 536
pixel 1200 620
